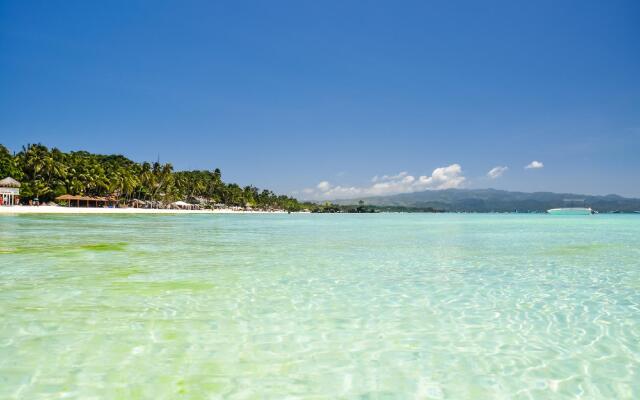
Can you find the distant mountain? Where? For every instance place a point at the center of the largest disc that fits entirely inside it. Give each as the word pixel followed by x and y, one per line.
pixel 490 200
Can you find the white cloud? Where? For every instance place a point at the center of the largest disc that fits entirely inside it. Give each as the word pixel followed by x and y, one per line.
pixel 441 178
pixel 324 186
pixel 385 178
pixel 497 172
pixel 534 165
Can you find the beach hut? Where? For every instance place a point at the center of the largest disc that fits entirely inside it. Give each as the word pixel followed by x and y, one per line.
pixel 137 203
pixel 181 205
pixel 9 191
pixel 69 199
pixel 83 201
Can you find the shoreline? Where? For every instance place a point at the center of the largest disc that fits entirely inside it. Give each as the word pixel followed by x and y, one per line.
pixel 8 210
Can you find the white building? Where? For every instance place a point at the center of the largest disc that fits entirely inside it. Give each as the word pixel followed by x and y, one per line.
pixel 9 191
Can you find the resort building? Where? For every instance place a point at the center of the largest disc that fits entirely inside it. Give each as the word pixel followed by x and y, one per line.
pixel 9 192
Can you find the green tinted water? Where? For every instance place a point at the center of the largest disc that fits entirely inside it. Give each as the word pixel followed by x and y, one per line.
pixel 320 306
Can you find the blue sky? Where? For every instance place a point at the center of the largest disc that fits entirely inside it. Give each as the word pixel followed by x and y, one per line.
pixel 327 95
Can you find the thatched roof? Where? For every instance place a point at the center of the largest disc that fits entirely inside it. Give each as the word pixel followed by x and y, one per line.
pixel 67 197
pixel 9 182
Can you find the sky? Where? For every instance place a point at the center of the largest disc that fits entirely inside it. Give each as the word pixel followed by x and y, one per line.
pixel 335 99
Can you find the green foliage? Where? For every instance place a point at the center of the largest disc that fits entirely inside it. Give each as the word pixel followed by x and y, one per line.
pixel 8 166
pixel 48 173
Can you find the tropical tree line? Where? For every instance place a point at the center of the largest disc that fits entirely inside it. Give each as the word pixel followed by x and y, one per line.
pixel 48 173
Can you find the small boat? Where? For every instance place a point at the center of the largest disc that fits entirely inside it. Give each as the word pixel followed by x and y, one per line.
pixel 571 211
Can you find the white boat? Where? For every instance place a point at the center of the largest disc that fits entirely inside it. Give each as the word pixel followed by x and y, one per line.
pixel 571 211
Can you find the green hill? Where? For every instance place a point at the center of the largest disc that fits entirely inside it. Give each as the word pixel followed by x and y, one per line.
pixel 492 200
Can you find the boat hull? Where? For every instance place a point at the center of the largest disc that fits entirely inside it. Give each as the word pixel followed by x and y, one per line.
pixel 570 211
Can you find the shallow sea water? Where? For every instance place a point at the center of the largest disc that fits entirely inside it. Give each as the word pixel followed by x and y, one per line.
pixel 424 306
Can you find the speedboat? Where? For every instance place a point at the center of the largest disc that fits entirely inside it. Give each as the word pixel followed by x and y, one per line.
pixel 571 211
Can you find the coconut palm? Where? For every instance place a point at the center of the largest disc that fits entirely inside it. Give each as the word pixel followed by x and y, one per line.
pixel 48 173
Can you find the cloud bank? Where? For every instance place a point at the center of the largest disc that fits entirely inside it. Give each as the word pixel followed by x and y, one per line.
pixel 497 172
pixel 441 178
pixel 534 165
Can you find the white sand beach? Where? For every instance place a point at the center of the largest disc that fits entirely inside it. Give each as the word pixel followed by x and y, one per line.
pixel 130 210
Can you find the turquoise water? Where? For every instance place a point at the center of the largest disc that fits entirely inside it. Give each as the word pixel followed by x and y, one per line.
pixel 320 306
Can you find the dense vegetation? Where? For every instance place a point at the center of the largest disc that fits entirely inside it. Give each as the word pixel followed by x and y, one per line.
pixel 361 208
pixel 48 173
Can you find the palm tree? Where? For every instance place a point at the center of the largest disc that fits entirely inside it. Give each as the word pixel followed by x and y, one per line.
pixel 46 173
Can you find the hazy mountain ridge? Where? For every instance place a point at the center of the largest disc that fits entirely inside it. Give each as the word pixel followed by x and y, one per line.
pixel 487 200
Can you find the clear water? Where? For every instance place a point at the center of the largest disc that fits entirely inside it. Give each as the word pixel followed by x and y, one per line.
pixel 320 306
